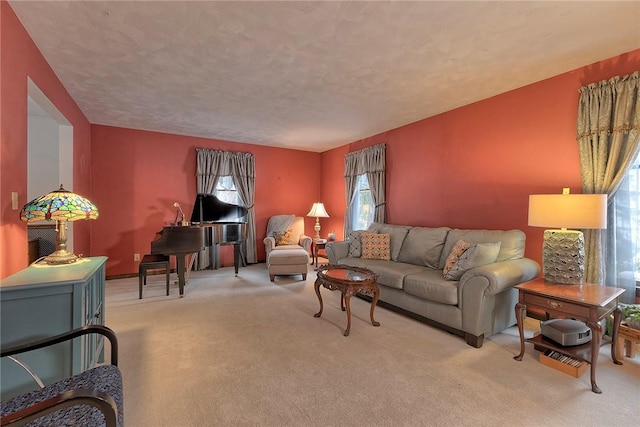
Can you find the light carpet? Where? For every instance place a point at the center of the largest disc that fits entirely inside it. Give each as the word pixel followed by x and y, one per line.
pixel 243 351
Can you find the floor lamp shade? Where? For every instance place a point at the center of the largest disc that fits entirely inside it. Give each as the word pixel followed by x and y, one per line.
pixel 563 250
pixel 60 206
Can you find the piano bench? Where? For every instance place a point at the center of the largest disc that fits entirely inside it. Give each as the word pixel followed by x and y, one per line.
pixel 287 260
pixel 152 262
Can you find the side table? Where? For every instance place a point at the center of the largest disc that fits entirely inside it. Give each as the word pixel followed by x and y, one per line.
pixel 589 303
pixel 316 245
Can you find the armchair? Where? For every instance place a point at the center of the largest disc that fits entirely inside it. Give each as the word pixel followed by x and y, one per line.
pixel 287 247
pixel 282 223
pixel 91 398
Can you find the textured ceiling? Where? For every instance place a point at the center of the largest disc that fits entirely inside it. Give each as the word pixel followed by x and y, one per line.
pixel 310 75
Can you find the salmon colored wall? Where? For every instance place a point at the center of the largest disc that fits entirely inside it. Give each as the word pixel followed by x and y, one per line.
pixel 471 167
pixel 19 59
pixel 474 167
pixel 138 175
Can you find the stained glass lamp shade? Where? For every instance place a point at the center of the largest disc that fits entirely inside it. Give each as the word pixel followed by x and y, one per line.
pixel 60 206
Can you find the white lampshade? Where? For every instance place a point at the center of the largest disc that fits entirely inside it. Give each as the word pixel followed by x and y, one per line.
pixel 563 250
pixel 577 211
pixel 318 211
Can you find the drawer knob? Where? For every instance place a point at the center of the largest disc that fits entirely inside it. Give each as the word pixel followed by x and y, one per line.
pixel 555 304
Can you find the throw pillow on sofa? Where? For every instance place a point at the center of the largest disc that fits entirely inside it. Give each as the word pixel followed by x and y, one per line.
pixel 455 254
pixel 376 246
pixel 283 237
pixel 355 244
pixel 477 255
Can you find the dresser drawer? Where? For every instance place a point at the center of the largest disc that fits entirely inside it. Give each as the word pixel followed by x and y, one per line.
pixel 567 308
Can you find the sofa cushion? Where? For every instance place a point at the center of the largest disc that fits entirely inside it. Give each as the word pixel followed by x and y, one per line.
pixel 477 255
pixel 511 242
pixel 390 274
pixel 355 244
pixel 375 246
pixel 283 237
pixel 423 246
pixel 456 252
pixel 430 285
pixel 397 232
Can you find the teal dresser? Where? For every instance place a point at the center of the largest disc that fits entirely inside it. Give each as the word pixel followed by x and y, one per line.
pixel 41 301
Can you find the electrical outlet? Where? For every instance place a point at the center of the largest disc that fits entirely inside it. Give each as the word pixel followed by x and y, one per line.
pixel 136 257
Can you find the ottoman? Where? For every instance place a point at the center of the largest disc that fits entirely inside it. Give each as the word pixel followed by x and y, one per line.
pixel 287 260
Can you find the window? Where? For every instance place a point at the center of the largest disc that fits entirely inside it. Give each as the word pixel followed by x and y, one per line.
pixel 634 198
pixel 362 204
pixel 226 191
pixel 623 230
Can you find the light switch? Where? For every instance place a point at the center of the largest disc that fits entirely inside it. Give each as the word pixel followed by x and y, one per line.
pixel 14 200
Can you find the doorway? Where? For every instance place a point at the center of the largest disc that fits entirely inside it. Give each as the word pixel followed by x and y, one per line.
pixel 49 163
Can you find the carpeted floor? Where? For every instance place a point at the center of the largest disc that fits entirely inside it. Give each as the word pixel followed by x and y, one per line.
pixel 243 351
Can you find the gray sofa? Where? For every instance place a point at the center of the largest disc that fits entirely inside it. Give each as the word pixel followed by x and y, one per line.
pixel 479 303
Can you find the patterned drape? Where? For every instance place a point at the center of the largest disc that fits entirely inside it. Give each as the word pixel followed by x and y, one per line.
pixel 372 161
pixel 608 133
pixel 211 164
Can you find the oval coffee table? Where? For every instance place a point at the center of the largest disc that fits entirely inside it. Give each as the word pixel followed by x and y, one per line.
pixel 349 281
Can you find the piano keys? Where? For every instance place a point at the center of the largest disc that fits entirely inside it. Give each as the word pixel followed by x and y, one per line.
pixel 179 241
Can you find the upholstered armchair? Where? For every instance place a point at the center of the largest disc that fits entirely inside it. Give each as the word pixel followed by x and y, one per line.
pixel 286 230
pixel 91 398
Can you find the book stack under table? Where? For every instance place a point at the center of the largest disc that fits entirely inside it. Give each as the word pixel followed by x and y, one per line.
pixel 563 363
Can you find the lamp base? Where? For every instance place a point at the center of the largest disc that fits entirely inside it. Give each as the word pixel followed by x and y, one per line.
pixel 563 257
pixel 61 256
pixel 317 228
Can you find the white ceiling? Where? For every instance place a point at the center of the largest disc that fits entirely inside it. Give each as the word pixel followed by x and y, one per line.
pixel 311 75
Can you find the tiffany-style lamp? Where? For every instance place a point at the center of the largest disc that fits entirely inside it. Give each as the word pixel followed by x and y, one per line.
pixel 59 206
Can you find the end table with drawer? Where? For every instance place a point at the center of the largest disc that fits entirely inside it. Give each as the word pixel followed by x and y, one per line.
pixel 588 302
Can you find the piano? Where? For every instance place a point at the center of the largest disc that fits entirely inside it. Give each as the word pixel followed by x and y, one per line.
pixel 178 241
pixel 222 224
pixel 213 223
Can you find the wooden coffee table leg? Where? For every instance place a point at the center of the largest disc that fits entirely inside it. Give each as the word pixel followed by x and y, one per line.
pixel 316 286
pixel 376 296
pixel 347 303
pixel 342 302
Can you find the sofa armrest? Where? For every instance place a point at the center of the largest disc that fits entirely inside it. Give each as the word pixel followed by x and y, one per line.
pixel 500 276
pixel 337 251
pixel 305 242
pixel 269 244
pixel 487 298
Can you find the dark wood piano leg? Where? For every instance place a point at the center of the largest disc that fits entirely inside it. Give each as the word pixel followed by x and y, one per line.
pixel 180 262
pixel 236 256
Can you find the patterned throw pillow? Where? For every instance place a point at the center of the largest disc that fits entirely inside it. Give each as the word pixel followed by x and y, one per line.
pixel 456 252
pixel 376 246
pixel 355 245
pixel 283 237
pixel 476 256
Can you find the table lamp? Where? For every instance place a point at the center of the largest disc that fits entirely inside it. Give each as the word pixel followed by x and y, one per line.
pixel 562 249
pixel 318 211
pixel 180 213
pixel 59 206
